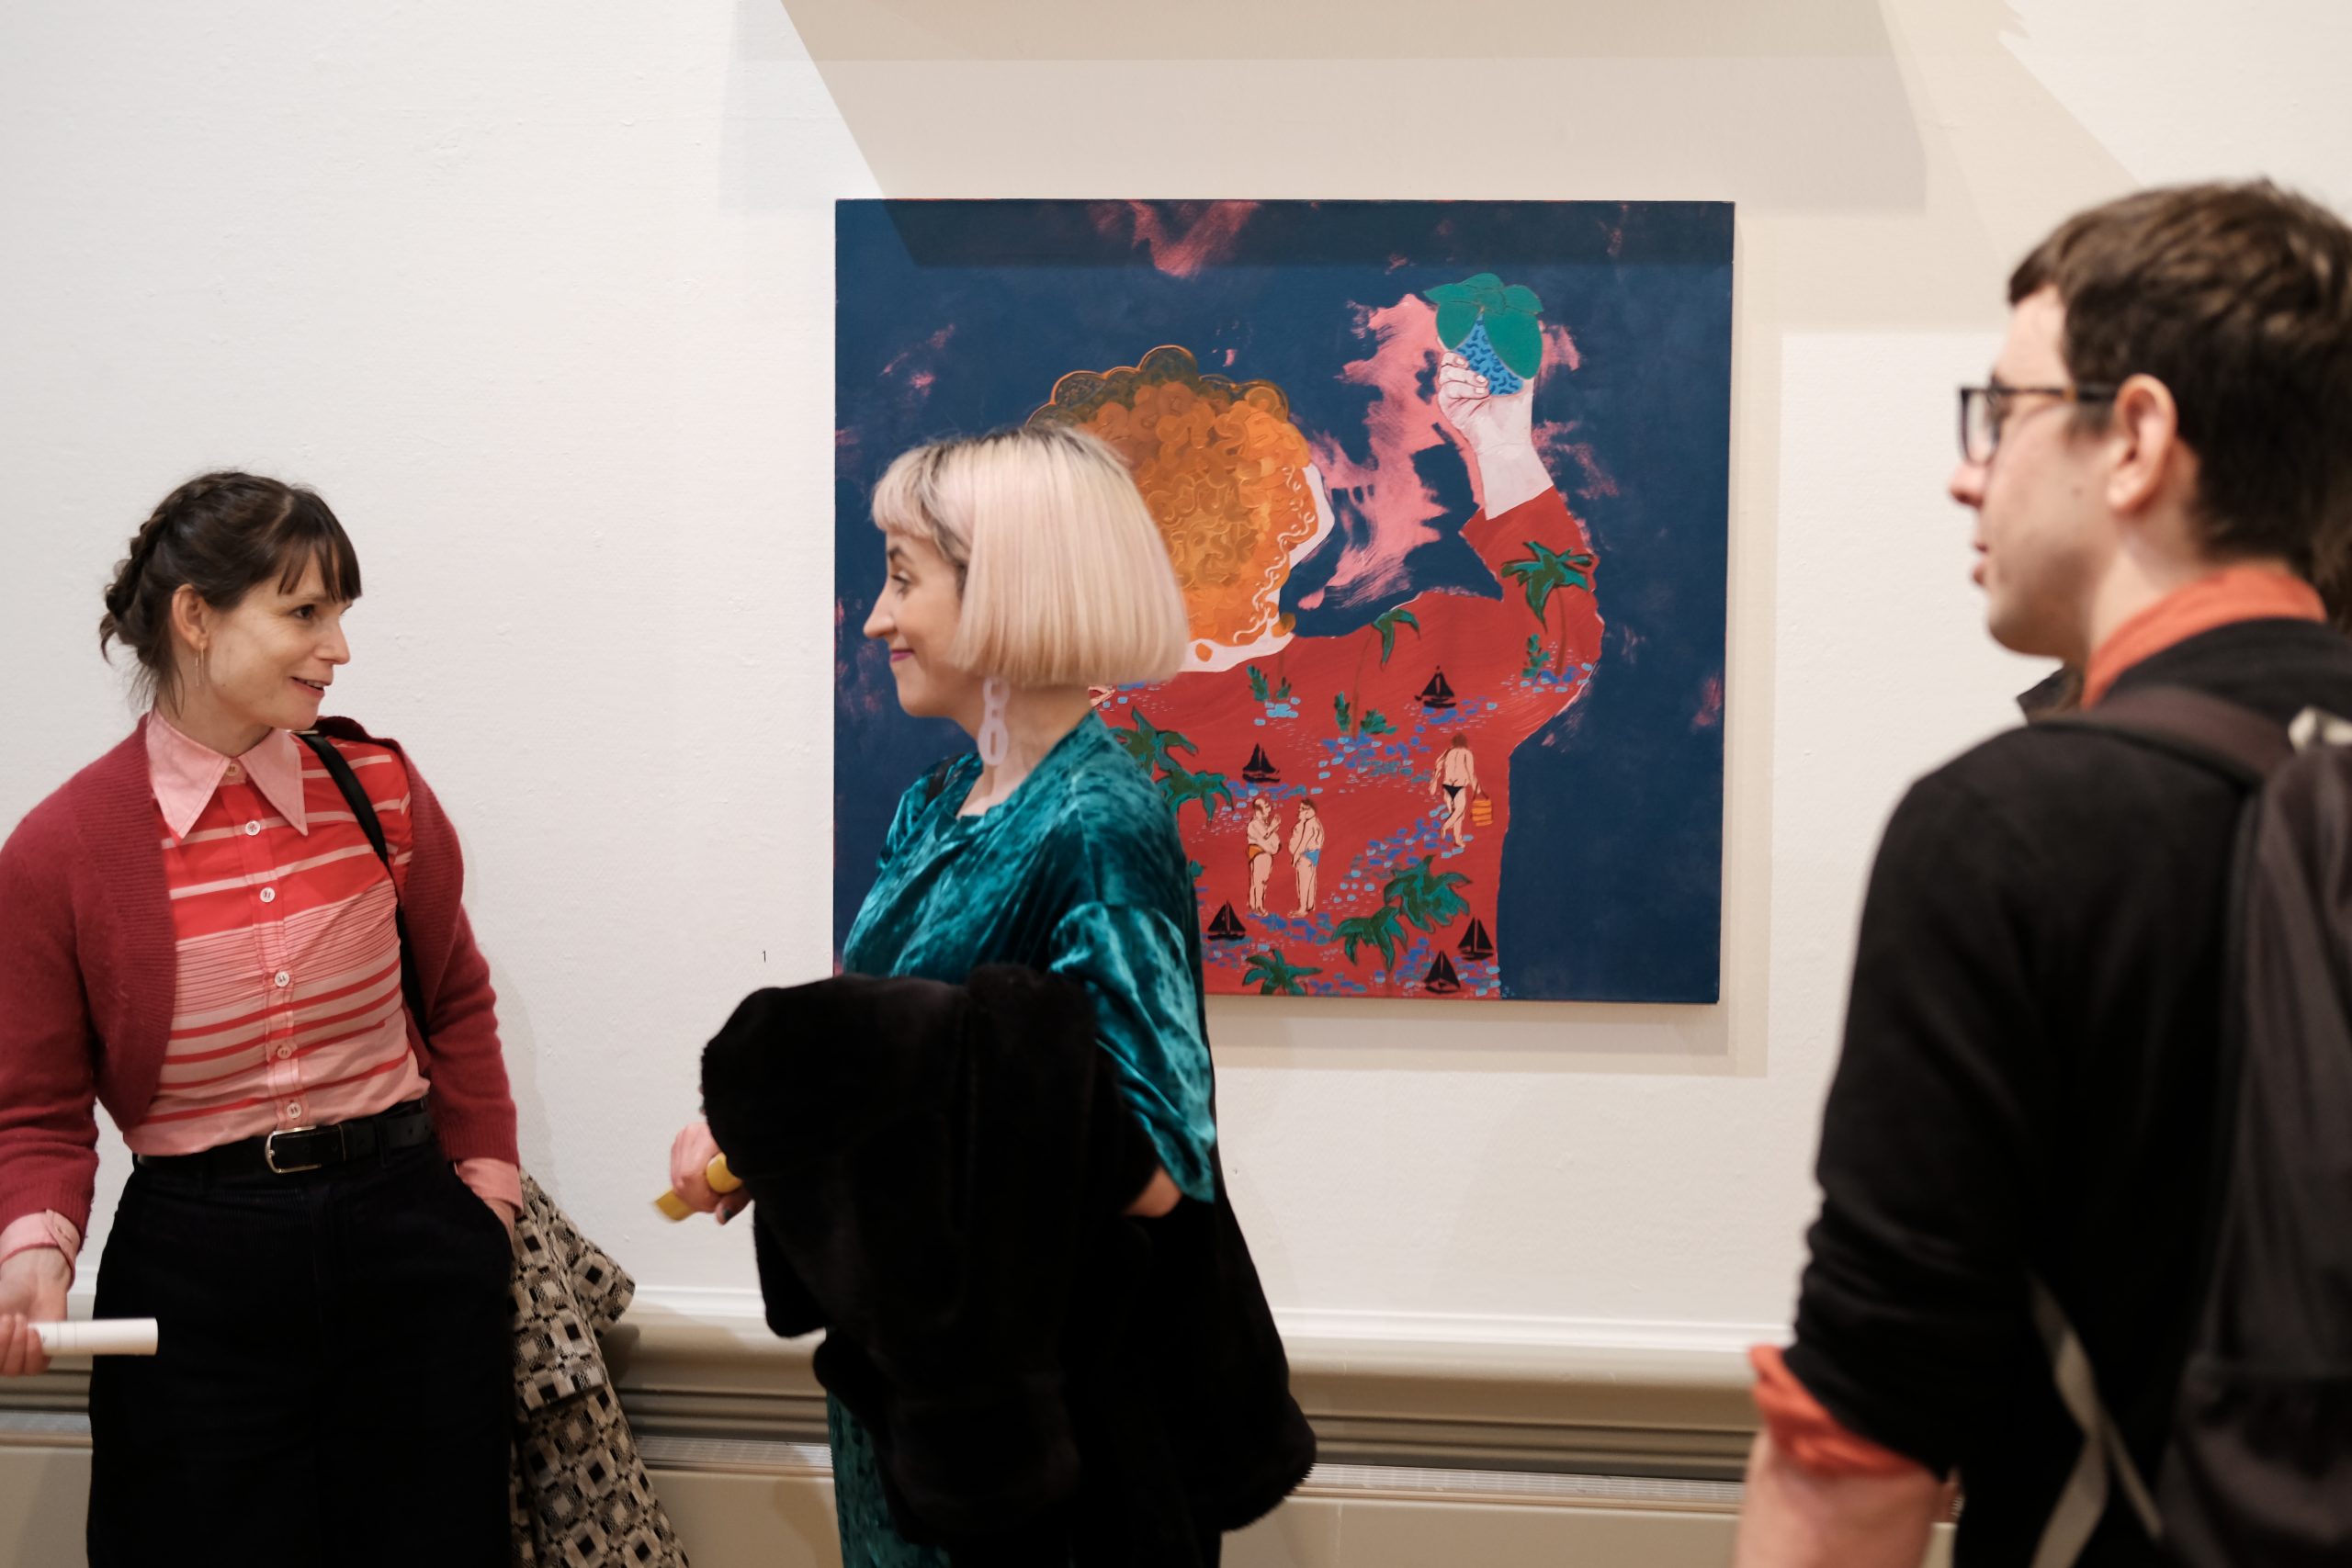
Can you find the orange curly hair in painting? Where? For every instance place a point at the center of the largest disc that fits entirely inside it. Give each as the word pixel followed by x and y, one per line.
pixel 1222 468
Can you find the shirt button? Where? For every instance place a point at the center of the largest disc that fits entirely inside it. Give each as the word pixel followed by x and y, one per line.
pixel 251 828
pixel 284 1052
pixel 294 1110
pixel 282 979
pixel 235 774
pixel 269 894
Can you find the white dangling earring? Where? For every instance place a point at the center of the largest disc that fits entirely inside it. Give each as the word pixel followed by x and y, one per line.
pixel 995 740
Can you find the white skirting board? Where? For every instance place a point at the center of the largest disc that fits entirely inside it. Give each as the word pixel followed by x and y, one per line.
pixel 1442 1444
pixel 736 1518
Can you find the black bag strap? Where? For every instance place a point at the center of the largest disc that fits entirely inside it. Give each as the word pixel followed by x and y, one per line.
pixel 356 797
pixel 2245 748
pixel 934 783
pixel 2220 734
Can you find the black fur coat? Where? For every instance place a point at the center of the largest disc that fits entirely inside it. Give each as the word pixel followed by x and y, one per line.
pixel 938 1173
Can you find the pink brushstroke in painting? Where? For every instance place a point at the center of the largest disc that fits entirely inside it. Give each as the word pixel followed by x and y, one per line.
pixel 1556 443
pixel 1710 704
pixel 1559 348
pixel 1207 239
pixel 914 367
pixel 1385 490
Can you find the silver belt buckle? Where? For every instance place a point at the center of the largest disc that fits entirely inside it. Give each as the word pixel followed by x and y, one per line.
pixel 269 1152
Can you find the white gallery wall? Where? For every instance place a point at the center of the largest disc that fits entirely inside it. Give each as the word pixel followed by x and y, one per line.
pixel 539 296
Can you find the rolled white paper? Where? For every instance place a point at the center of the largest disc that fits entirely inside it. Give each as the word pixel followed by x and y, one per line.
pixel 98 1336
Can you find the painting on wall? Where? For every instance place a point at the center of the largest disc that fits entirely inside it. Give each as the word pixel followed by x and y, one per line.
pixel 1446 488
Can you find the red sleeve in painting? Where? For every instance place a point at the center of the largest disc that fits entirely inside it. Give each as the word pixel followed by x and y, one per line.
pixel 1543 522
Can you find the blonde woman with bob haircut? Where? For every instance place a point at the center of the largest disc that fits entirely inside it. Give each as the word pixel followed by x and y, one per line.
pixel 1023 569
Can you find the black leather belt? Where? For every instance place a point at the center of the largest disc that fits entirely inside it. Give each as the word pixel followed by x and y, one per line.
pixel 293 1150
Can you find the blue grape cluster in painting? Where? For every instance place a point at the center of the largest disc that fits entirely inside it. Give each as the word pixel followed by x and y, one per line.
pixel 1479 350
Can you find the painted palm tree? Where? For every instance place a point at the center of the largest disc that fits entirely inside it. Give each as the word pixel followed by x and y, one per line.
pixel 1383 626
pixel 1543 573
pixel 1378 929
pixel 1181 787
pixel 1275 975
pixel 1425 896
pixel 1153 749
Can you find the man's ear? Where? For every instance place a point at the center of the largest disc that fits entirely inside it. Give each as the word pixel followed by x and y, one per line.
pixel 2144 441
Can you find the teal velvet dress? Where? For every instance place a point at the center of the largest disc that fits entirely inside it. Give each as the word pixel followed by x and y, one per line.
pixel 1078 873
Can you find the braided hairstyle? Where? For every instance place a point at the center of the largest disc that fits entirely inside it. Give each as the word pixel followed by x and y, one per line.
pixel 221 533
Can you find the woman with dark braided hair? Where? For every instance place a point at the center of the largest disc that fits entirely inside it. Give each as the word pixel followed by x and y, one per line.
pixel 241 931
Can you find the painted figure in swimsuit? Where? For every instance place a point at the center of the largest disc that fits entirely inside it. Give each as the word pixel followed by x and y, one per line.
pixel 1265 842
pixel 1456 777
pixel 1306 853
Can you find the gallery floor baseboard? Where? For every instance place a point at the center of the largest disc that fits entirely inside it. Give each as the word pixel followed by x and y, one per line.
pixel 1510 1449
pixel 1385 1392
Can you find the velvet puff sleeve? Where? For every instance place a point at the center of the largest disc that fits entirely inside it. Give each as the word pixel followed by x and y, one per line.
pixel 1133 960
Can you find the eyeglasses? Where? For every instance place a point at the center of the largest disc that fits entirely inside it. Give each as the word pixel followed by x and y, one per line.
pixel 1985 410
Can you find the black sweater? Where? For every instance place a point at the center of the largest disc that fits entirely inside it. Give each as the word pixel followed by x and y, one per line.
pixel 2026 1085
pixel 938 1173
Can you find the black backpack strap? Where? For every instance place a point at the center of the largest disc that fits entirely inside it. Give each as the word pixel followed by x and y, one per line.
pixel 355 798
pixel 2105 1463
pixel 2214 731
pixel 2245 748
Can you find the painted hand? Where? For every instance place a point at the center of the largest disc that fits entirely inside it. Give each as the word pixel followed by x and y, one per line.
pixel 1491 422
pixel 1499 429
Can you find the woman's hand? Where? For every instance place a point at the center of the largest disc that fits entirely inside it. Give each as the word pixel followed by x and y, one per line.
pixel 1159 1195
pixel 691 1152
pixel 32 1290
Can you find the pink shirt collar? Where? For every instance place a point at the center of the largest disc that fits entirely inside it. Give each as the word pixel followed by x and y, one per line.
pixel 186 772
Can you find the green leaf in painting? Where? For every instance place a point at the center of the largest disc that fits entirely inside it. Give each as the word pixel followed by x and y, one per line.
pixel 1426 896
pixel 1276 975
pixel 1454 319
pixel 1206 788
pixel 1519 297
pixel 1518 340
pixel 1485 281
pixel 1450 294
pixel 1387 623
pixel 1378 929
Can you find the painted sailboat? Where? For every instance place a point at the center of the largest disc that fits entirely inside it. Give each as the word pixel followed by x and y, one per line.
pixel 1437 693
pixel 1477 947
pixel 1442 981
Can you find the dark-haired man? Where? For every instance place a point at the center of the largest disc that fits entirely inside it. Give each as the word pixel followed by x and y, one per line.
pixel 2160 468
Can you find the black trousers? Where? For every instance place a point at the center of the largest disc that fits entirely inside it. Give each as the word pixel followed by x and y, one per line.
pixel 334 1382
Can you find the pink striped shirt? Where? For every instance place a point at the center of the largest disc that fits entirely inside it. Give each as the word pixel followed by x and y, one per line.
pixel 287 1008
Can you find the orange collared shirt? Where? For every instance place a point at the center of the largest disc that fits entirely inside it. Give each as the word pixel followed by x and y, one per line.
pixel 2233 594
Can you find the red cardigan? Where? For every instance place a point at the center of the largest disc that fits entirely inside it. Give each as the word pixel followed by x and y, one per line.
pixel 88 968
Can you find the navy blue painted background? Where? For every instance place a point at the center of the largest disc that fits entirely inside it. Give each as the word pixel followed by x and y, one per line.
pixel 1031 289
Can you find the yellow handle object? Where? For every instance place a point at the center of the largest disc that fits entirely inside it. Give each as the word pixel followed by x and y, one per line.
pixel 722 1182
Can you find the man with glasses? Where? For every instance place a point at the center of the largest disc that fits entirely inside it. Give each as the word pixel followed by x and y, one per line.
pixel 2160 469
